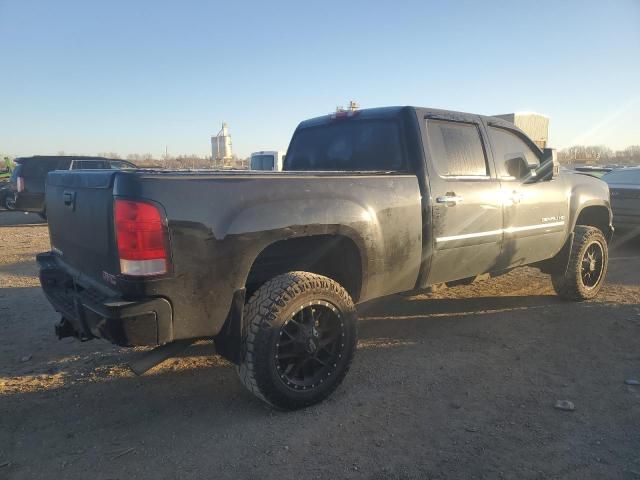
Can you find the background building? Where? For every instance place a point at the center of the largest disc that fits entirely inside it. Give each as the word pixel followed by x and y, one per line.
pixel 535 125
pixel 221 147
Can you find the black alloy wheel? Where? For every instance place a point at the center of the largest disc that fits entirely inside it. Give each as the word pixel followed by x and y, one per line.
pixel 310 345
pixel 301 338
pixel 592 265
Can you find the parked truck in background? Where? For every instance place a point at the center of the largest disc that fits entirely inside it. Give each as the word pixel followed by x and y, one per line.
pixel 624 186
pixel 28 179
pixel 370 203
pixel 267 160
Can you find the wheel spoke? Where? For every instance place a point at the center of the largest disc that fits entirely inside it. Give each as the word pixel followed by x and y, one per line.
pixel 285 342
pixel 326 341
pixel 290 335
pixel 292 354
pixel 295 322
pixel 316 359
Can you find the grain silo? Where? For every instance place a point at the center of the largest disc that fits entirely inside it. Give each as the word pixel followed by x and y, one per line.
pixel 221 146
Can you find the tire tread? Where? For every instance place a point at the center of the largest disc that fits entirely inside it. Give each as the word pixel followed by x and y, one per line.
pixel 568 284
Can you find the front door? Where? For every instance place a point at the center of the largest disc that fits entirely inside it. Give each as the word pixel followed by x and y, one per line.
pixel 465 199
pixel 535 214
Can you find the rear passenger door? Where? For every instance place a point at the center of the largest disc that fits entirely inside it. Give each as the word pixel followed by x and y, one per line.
pixel 465 198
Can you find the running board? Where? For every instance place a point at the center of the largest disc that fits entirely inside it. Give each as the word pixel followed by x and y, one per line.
pixel 147 360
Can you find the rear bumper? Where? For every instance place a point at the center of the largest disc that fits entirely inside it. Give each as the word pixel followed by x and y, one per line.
pixel 88 312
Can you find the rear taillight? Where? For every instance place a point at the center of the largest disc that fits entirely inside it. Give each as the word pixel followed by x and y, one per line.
pixel 142 238
pixel 20 184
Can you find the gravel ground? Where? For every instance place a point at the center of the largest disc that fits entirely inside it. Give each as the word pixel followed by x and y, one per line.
pixel 457 384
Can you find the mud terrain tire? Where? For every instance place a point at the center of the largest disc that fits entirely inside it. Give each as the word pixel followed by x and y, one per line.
pixel 587 266
pixel 300 319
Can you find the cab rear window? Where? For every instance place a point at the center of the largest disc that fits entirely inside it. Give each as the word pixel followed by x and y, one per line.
pixel 347 145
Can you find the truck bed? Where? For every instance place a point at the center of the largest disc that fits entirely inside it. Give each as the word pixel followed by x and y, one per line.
pixel 220 221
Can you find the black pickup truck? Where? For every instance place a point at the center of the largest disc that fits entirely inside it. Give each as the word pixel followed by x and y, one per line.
pixel 269 265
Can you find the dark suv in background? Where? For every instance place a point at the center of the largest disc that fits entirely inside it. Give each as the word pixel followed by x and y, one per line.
pixel 624 186
pixel 26 190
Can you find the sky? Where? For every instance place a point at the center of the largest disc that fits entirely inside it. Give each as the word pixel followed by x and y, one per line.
pixel 140 76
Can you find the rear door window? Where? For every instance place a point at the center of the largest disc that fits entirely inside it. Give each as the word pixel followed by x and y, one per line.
pixel 119 165
pixel 89 165
pixel 508 146
pixel 456 149
pixel 348 145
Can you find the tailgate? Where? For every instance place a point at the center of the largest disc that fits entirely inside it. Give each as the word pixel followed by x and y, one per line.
pixel 80 215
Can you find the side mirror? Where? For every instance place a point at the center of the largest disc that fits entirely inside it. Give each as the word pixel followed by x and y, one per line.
pixel 518 167
pixel 549 167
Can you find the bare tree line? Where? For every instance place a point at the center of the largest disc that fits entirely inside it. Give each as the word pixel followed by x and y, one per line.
pixel 178 161
pixel 577 154
pixel 599 155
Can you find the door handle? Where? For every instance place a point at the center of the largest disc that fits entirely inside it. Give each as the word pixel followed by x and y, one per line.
pixel 450 200
pixel 69 199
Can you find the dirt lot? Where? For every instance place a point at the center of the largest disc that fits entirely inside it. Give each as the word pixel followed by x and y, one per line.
pixel 457 384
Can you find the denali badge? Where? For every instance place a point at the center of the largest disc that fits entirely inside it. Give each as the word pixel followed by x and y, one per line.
pixel 552 219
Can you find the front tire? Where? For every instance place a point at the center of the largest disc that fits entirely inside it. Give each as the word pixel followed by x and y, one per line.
pixel 587 267
pixel 300 342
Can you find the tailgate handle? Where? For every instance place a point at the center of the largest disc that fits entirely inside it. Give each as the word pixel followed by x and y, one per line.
pixel 69 199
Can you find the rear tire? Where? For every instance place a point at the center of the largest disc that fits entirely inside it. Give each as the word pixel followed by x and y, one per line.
pixel 587 266
pixel 9 202
pixel 300 342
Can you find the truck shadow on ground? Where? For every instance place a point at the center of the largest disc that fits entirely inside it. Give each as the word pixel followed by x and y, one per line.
pixel 201 382
pixel 424 306
pixel 75 366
